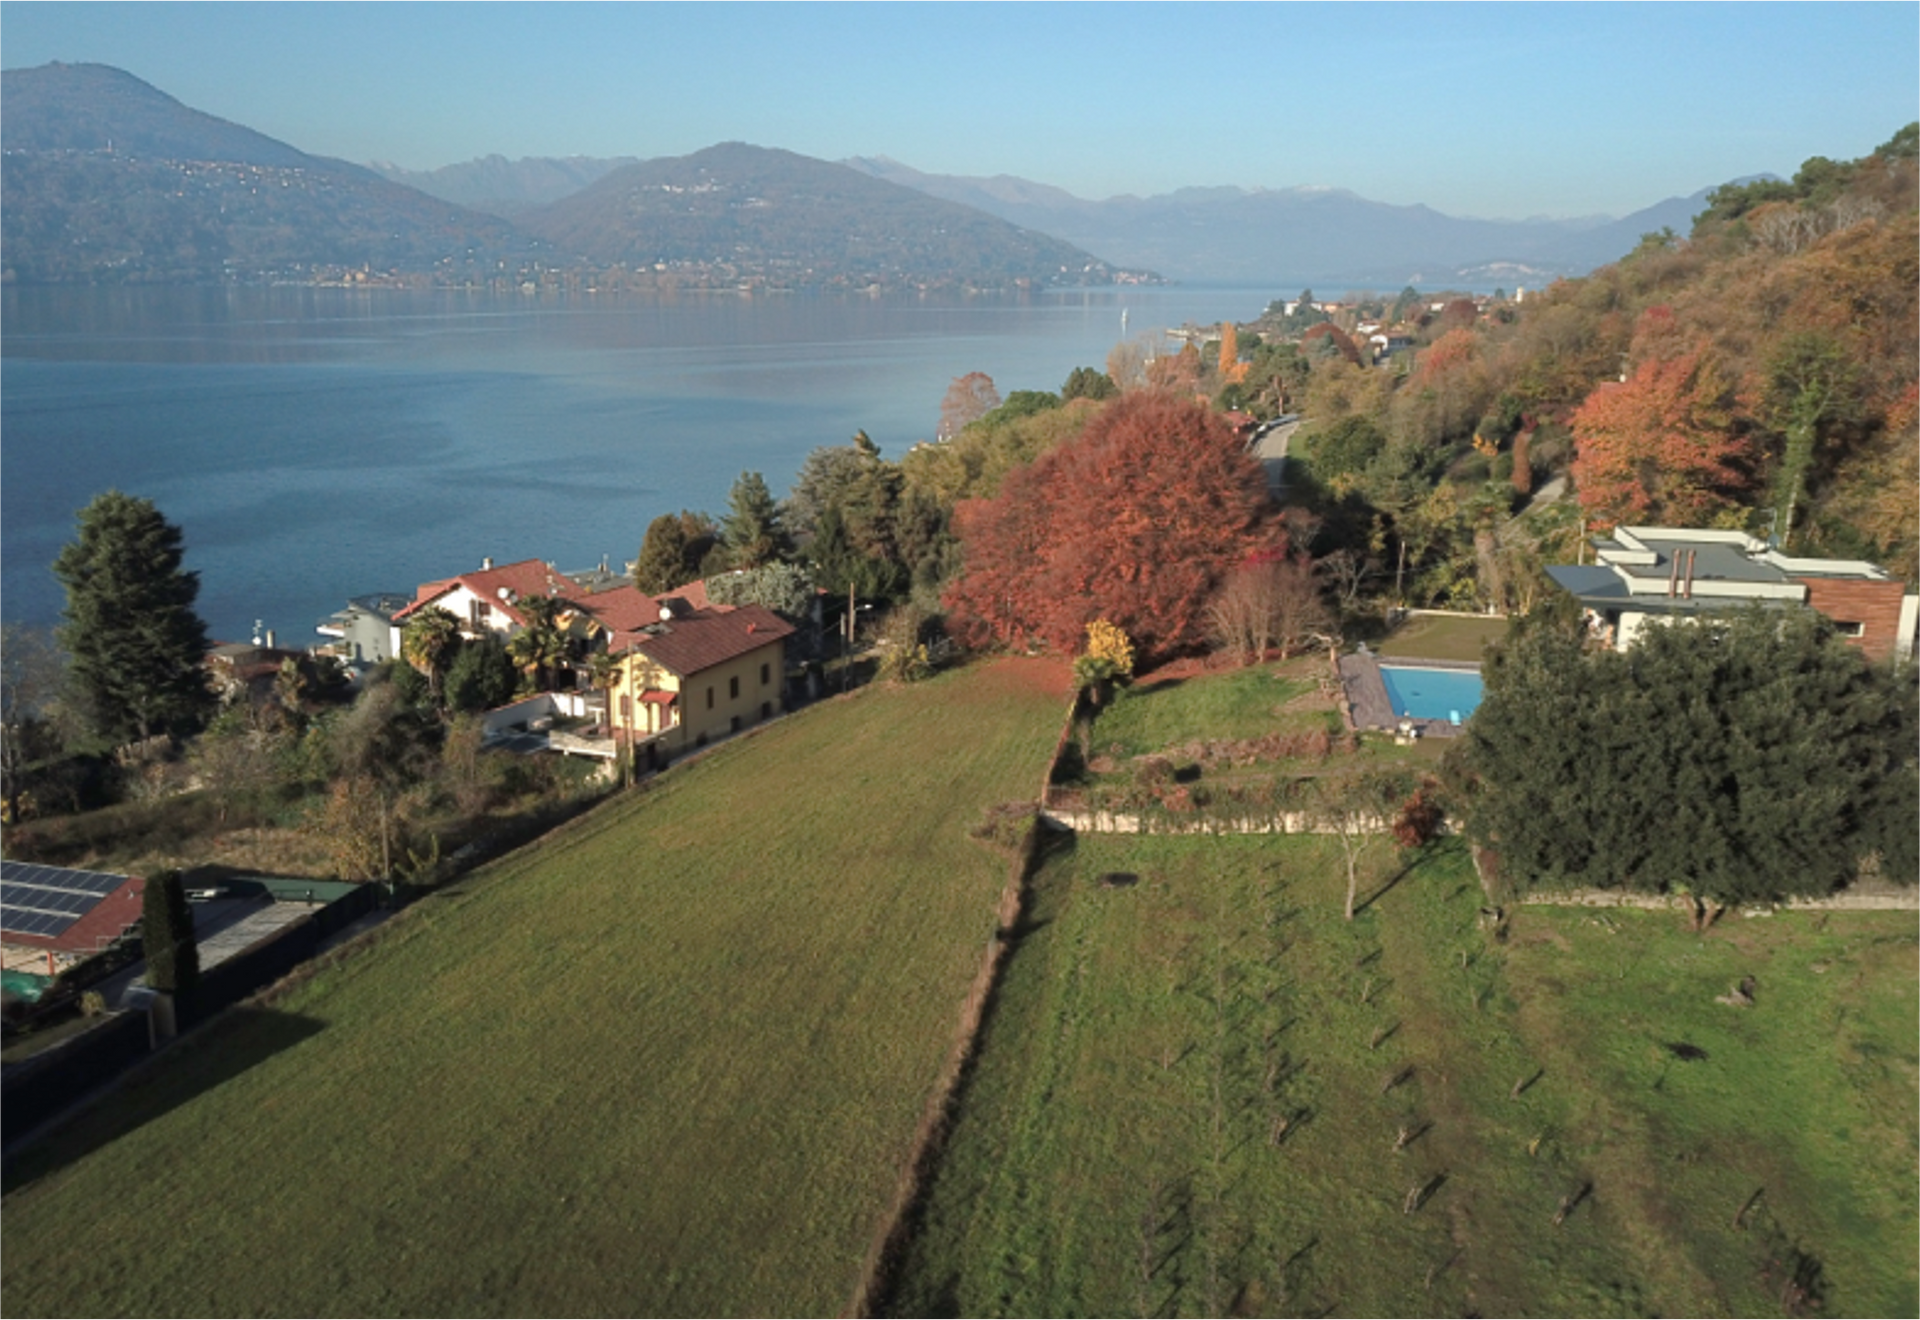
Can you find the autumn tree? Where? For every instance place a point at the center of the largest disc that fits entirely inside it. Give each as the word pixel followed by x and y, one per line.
pixel 1271 599
pixel 968 399
pixel 1661 447
pixel 1230 370
pixel 1136 521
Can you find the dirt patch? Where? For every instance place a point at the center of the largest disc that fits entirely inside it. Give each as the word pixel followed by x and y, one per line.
pixel 1049 675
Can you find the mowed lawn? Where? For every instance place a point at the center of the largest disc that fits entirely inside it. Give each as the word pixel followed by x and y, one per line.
pixel 1192 1090
pixel 671 1060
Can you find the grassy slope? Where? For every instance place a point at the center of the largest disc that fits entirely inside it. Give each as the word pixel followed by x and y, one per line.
pixel 1116 1150
pixel 669 1061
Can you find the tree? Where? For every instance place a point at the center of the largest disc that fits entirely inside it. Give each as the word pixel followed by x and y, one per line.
pixel 428 641
pixel 1230 369
pixel 1745 756
pixel 1358 807
pixel 1135 521
pixel 381 747
pixel 166 935
pixel 32 672
pixel 968 399
pixel 481 677
pixel 1272 599
pixel 1088 383
pixel 539 649
pixel 753 531
pixel 783 588
pixel 1660 447
pixel 1812 386
pixel 662 562
pixel 137 648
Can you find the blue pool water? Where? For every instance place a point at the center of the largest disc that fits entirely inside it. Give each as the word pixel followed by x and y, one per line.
pixel 1432 694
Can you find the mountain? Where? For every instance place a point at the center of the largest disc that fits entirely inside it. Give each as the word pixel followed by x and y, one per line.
pixel 109 180
pixel 797 221
pixel 503 187
pixel 1304 235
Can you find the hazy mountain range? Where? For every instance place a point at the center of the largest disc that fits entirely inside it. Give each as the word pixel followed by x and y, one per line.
pixel 107 179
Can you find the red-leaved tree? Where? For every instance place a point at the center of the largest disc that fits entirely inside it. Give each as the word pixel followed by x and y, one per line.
pixel 1136 521
pixel 1661 447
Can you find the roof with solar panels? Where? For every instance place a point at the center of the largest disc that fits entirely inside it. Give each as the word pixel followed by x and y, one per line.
pixel 52 907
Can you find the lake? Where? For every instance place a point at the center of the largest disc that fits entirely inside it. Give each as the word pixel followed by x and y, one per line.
pixel 317 444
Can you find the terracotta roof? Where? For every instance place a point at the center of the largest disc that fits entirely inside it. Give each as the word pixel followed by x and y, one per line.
pixel 623 612
pixel 712 637
pixel 529 577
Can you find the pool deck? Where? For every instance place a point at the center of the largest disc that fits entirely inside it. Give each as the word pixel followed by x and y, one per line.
pixel 1367 692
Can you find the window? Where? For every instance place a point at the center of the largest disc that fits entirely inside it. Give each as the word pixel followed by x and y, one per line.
pixel 626 709
pixel 733 688
pixel 1846 629
pixel 766 710
pixel 766 672
pixel 734 724
pixel 709 698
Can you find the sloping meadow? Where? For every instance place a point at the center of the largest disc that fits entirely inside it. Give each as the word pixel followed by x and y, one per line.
pixel 1202 1092
pixel 670 1060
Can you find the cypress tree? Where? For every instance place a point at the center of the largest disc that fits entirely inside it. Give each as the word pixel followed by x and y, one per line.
pixel 166 934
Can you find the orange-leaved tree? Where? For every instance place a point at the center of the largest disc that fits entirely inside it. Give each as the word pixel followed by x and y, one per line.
pixel 1135 521
pixel 1662 446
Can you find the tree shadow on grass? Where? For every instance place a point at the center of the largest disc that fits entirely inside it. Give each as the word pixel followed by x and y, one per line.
pixel 239 1040
pixel 1392 882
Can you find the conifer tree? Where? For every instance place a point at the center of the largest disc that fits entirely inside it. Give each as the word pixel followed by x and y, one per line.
pixel 166 935
pixel 137 647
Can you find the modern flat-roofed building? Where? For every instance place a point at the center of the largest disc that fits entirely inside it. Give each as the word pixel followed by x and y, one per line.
pixel 1645 574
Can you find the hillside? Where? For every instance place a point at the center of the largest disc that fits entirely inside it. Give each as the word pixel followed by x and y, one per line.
pixel 109 180
pixel 503 187
pixel 802 222
pixel 669 1061
pixel 1314 235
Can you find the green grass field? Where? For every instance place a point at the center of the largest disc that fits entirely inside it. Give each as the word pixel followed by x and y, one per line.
pixel 671 1060
pixel 1237 703
pixel 1187 1104
pixel 1442 637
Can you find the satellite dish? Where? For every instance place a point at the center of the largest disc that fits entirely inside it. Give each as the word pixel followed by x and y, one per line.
pixel 666 613
pixel 505 593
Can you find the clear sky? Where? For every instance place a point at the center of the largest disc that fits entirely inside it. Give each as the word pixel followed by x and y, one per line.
pixel 1497 110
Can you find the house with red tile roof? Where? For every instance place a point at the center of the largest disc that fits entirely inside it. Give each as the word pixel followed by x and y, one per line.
pixel 489 600
pixel 692 676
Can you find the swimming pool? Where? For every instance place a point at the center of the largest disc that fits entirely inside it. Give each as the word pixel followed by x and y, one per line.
pixel 1432 694
pixel 28 985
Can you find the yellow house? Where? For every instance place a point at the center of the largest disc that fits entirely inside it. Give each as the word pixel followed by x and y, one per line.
pixel 696 676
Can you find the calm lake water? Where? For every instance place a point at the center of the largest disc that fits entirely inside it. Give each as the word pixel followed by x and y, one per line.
pixel 317 444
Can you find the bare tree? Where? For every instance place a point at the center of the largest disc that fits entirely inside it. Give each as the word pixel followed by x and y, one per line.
pixel 968 399
pixel 32 670
pixel 1357 807
pixel 1267 602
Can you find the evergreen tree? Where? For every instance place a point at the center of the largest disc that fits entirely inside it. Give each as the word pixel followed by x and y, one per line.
pixel 754 533
pixel 662 563
pixel 1748 756
pixel 136 645
pixel 166 935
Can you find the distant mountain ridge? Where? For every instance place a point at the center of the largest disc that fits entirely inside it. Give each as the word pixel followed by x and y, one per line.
pixel 108 179
pixel 1316 235
pixel 801 220
pixel 502 187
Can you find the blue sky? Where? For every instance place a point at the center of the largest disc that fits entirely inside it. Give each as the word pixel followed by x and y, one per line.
pixel 1502 110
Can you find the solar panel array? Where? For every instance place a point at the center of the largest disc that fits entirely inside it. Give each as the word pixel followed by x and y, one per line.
pixel 47 900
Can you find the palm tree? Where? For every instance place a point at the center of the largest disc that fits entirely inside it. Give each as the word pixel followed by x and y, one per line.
pixel 541 647
pixel 428 640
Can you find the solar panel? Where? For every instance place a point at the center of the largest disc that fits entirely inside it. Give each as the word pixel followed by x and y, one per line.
pixel 47 900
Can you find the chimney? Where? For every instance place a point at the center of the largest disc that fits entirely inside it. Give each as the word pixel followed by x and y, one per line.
pixel 486 565
pixel 1673 573
pixel 1686 592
